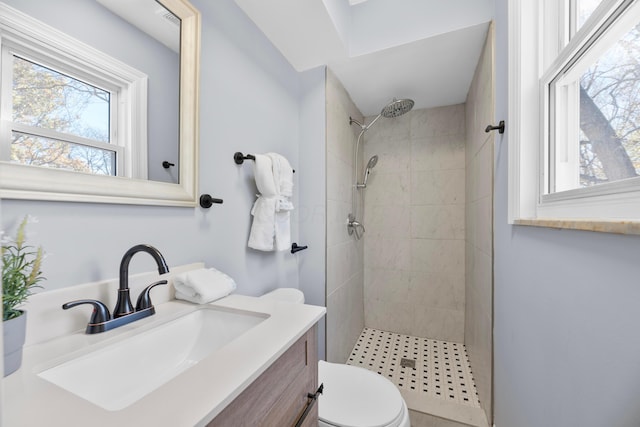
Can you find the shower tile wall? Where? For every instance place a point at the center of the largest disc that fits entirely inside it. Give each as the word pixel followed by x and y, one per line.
pixel 479 225
pixel 345 301
pixel 415 222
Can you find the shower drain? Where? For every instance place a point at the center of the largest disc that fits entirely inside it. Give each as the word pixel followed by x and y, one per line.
pixel 439 369
pixel 408 363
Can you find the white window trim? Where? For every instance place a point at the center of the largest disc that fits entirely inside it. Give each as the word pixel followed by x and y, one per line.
pixel 523 106
pixel 531 51
pixel 46 45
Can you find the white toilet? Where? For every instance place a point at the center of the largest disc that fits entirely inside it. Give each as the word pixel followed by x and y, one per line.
pixel 353 396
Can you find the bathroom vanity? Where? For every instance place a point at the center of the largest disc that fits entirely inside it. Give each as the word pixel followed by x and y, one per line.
pixel 280 395
pixel 262 376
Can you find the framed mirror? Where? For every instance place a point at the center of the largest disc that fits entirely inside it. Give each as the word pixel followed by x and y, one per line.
pixel 107 148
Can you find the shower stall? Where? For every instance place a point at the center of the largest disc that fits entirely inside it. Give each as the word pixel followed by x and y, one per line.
pixel 409 248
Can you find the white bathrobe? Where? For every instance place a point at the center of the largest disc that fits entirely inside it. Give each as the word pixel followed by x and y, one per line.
pixel 271 227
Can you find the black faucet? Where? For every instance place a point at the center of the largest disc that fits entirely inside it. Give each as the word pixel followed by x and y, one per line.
pixel 123 306
pixel 101 320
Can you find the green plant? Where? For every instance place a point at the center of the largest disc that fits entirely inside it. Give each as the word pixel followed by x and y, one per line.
pixel 20 271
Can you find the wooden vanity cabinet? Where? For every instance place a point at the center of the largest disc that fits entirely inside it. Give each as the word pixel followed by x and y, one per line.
pixel 279 396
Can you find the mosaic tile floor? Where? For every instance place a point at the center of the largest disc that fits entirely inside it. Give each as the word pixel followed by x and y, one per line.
pixel 438 369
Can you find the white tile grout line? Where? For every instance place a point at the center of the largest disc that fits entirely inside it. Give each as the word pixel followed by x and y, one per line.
pixel 442 368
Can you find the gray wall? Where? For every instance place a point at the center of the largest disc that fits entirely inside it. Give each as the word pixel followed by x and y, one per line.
pixel 566 311
pixel 249 101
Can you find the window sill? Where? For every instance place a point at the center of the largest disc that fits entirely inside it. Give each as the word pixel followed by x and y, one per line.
pixel 601 226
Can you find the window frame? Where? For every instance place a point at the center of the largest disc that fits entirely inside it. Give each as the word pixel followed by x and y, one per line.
pixel 542 27
pixel 115 145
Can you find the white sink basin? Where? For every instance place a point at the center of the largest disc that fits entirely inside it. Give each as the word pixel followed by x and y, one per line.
pixel 121 373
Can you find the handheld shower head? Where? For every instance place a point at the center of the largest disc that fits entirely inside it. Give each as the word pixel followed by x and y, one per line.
pixel 373 161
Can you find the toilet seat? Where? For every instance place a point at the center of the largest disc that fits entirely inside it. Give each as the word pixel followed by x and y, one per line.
pixel 357 397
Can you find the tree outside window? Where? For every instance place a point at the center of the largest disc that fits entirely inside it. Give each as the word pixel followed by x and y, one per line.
pixel 59 121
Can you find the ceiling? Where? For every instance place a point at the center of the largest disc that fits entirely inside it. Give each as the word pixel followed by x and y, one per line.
pixel 150 17
pixel 426 50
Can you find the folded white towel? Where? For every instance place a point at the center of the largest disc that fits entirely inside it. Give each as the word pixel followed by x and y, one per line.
pixel 203 285
pixel 263 173
pixel 282 175
pixel 283 180
pixel 264 209
pixel 271 217
pixel 262 228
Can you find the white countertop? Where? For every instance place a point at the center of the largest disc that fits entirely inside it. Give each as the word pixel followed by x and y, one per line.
pixel 193 398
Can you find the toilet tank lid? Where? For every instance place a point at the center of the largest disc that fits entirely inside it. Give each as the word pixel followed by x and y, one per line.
pixel 285 295
pixel 355 396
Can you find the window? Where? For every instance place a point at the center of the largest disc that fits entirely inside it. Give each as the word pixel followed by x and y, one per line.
pixel 71 112
pixel 59 121
pixel 583 10
pixel 580 107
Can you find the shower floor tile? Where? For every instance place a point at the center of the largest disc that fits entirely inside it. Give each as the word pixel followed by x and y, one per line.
pixel 419 366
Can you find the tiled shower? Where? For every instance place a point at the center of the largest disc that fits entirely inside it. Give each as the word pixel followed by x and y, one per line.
pixel 414 214
pixel 420 280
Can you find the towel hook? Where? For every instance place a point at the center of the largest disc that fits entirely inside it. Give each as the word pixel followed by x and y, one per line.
pixel 206 201
pixel 239 158
pixel 499 128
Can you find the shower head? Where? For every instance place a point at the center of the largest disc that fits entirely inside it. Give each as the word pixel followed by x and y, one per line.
pixel 370 165
pixel 397 107
pixel 372 162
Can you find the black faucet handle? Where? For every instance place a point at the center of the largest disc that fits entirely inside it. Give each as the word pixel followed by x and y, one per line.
pixel 100 311
pixel 144 299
